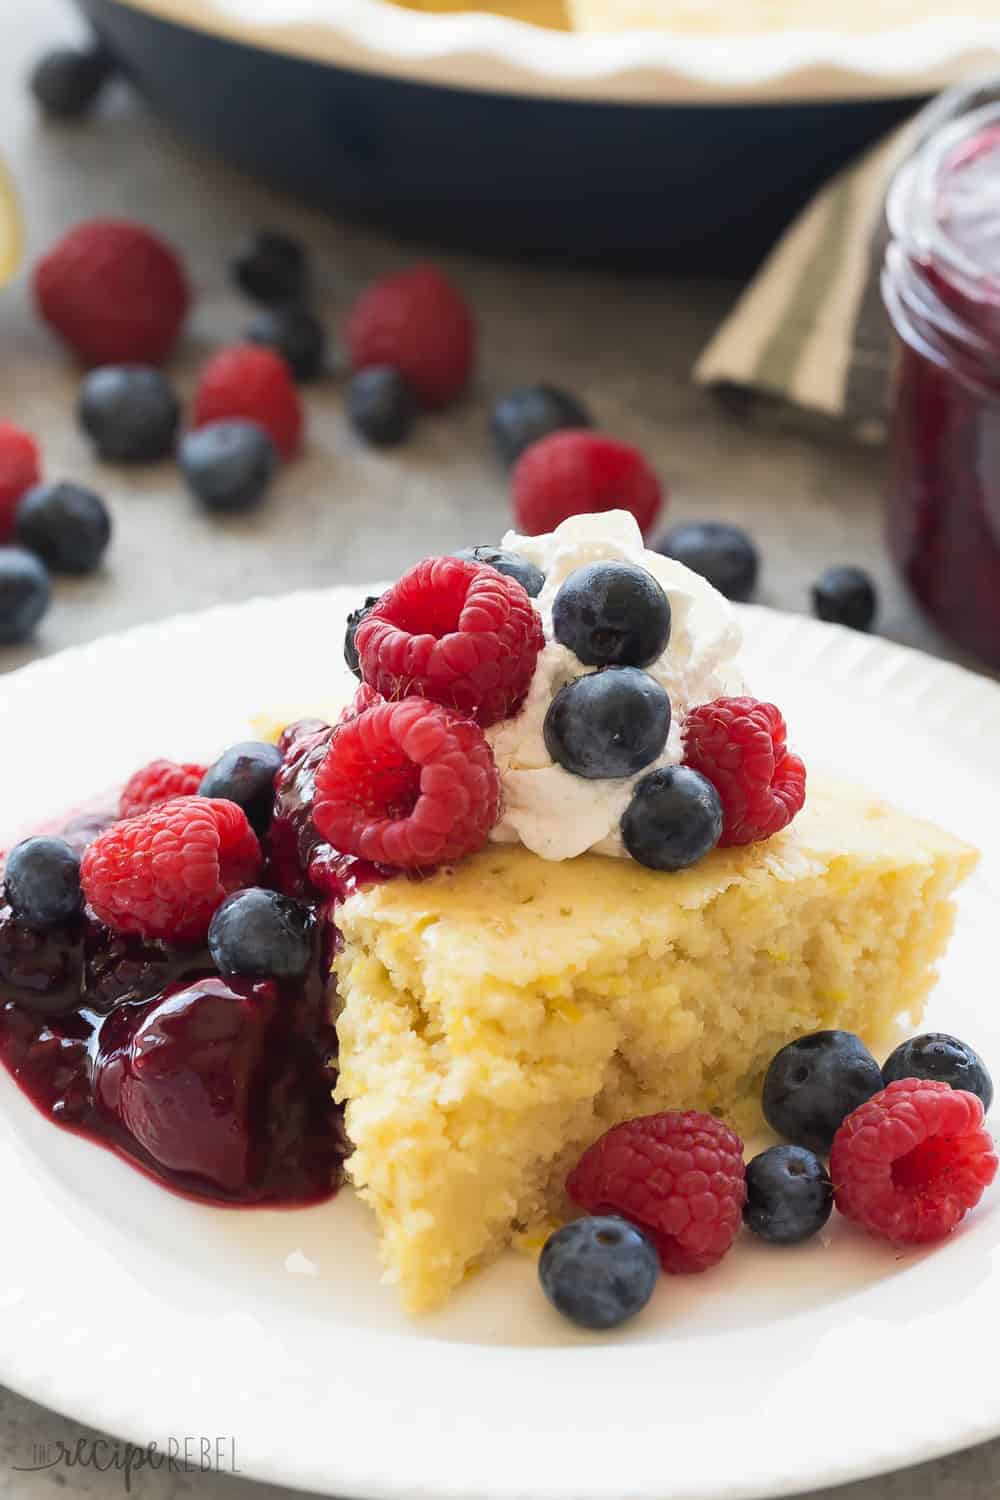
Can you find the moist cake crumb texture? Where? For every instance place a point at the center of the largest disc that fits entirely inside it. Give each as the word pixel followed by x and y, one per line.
pixel 495 1019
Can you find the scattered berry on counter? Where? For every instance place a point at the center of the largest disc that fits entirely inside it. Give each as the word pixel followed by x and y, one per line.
pixel 739 744
pixel 25 593
pixel 42 882
pixel 456 632
pixel 814 1083
pixel 599 1272
pixel 255 384
pixel 129 412
pixel 20 468
pixel 673 820
pixel 531 579
pixel 909 1164
pixel 607 724
pixel 722 554
pixel 245 774
pixel 67 80
pixel 228 464
pixel 353 621
pixel 67 525
pixel 114 292
pixel 271 267
pixel 944 1058
pixel 296 334
pixel 261 935
pixel 529 413
pixel 612 614
pixel 160 781
pixel 409 785
pixel 418 322
pixel 164 873
pixel 380 405
pixel 789 1195
pixel 845 596
pixel 678 1176
pixel 578 473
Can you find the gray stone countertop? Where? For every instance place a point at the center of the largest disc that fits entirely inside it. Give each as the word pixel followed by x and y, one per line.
pixel 344 514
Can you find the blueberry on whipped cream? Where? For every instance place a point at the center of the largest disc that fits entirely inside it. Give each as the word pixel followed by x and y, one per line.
pixel 633 642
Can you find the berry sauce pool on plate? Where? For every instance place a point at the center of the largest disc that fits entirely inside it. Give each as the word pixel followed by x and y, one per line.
pixel 101 1032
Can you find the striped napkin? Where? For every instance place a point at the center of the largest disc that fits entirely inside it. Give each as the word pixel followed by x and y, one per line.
pixel 807 344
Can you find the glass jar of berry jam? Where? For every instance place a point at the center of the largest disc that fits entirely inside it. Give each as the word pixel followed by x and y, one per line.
pixel 941 286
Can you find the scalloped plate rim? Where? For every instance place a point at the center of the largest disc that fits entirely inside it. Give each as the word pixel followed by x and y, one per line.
pixel 123 1390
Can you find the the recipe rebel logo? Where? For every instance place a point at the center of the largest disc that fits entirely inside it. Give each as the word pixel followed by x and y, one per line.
pixel 177 1455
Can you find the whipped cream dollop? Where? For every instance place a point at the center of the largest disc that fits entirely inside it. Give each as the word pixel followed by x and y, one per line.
pixel 546 808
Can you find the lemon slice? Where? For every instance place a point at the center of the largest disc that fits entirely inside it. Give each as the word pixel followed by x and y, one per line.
pixel 11 228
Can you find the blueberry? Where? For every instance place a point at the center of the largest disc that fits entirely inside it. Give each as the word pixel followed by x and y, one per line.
pixel 294 333
pixel 42 882
pixel 353 621
pixel 245 775
pixel 25 592
pixel 612 614
pixel 673 820
pixel 381 405
pixel 67 80
pixel 270 267
pixel 789 1195
pixel 259 934
pixel 938 1055
pixel 599 1272
pixel 228 464
pixel 814 1083
pixel 130 412
pixel 531 579
pixel 67 525
pixel 608 724
pixel 722 554
pixel 845 596
pixel 531 412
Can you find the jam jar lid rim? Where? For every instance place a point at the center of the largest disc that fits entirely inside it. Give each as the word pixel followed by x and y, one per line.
pixel 910 203
pixel 907 330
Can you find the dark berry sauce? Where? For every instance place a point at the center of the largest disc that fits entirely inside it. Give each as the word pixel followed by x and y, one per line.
pixel 220 1089
pixel 941 285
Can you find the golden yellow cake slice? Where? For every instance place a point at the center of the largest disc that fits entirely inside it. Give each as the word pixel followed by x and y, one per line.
pixel 496 1019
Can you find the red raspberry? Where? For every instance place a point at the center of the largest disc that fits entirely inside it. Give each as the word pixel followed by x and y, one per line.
pixel 19 470
pixel 408 785
pixel 114 292
pixel 160 781
pixel 419 323
pixel 679 1176
pixel 365 697
pixel 578 472
pixel 738 744
pixel 457 632
pixel 163 873
pixel 910 1163
pixel 256 384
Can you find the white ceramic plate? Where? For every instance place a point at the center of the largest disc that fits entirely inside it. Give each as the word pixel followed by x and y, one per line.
pixel 471 50
pixel 153 1317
